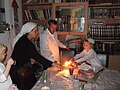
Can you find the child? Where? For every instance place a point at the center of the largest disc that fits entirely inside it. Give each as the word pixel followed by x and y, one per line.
pixel 5 79
pixel 88 55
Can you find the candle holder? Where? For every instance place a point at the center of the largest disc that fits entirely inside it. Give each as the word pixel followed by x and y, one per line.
pixel 71 69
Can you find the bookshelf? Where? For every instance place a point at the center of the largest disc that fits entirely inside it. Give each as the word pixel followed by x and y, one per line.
pixel 39 13
pixel 104 26
pixel 101 20
pixel 71 17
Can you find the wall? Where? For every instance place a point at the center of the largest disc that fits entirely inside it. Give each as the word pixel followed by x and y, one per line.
pixel 7 37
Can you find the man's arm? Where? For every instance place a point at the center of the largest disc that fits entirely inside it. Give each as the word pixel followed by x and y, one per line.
pixel 45 49
pixel 58 42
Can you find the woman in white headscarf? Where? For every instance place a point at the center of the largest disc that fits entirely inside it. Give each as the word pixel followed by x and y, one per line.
pixel 24 49
pixel 26 28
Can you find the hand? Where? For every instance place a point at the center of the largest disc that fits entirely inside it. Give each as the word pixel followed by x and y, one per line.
pixel 32 61
pixel 57 65
pixel 11 62
pixel 67 48
pixel 72 60
pixel 75 64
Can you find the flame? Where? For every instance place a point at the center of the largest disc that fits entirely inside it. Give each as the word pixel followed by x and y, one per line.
pixel 68 63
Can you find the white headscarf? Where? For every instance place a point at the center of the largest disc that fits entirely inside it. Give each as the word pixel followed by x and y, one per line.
pixel 26 28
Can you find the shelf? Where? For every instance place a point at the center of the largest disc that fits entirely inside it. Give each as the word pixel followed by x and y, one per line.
pixel 39 22
pixel 107 41
pixel 109 21
pixel 37 4
pixel 110 47
pixel 104 5
pixel 71 33
pixel 104 27
pixel 39 13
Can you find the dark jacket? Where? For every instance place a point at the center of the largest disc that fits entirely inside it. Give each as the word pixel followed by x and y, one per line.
pixel 23 51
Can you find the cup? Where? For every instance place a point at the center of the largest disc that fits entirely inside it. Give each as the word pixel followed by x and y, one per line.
pixel 71 70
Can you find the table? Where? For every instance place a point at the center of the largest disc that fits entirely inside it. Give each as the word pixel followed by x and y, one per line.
pixel 107 80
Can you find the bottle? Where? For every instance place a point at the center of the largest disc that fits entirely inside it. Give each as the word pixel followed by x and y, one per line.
pixel 81 86
pixel 45 82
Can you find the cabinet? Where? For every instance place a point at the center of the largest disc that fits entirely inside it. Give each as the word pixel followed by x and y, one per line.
pixel 74 21
pixel 104 26
pixel 71 17
pixel 37 12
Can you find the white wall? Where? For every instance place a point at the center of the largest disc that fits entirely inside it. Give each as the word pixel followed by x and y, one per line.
pixel 7 37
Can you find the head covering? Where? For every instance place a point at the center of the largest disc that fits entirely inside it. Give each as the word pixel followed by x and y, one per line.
pixel 26 28
pixel 90 40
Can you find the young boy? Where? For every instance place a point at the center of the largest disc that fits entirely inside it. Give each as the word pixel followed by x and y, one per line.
pixel 5 79
pixel 88 55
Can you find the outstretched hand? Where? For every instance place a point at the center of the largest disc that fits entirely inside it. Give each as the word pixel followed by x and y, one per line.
pixel 67 48
pixel 72 60
pixel 57 65
pixel 74 63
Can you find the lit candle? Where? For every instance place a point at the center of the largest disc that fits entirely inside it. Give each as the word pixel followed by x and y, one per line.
pixel 67 64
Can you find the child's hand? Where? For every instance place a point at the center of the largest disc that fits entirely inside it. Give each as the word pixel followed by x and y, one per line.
pixel 11 61
pixel 72 60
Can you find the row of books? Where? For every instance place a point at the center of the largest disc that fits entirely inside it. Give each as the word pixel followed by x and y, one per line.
pixel 109 48
pixel 53 1
pixel 35 1
pixel 56 1
pixel 104 32
pixel 37 14
pixel 103 1
pixel 104 13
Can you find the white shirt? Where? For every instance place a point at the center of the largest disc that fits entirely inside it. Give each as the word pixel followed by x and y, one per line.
pixel 90 57
pixel 49 46
pixel 5 82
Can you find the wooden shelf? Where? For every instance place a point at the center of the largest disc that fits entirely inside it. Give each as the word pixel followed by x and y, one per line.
pixel 72 33
pixel 109 21
pixel 39 13
pixel 104 27
pixel 36 4
pixel 107 41
pixel 39 22
pixel 105 5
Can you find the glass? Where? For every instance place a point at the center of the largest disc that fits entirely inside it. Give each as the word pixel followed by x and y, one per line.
pixel 71 69
pixel 45 81
pixel 71 18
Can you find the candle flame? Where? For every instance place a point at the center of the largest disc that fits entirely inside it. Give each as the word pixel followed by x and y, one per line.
pixel 68 63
